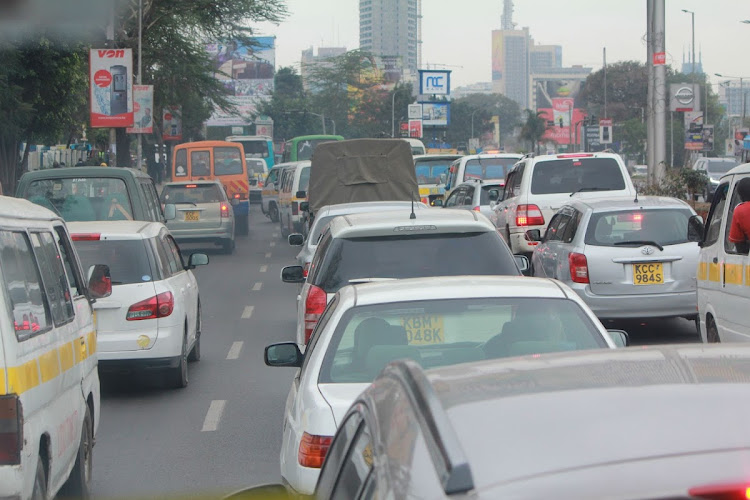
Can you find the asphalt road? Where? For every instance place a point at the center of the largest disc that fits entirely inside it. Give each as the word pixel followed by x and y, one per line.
pixel 223 431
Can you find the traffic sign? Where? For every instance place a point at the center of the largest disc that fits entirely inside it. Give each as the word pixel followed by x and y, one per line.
pixel 605 131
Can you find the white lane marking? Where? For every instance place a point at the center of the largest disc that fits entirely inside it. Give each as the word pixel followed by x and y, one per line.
pixel 234 351
pixel 273 243
pixel 263 269
pixel 268 255
pixel 247 312
pixel 275 235
pixel 257 286
pixel 213 415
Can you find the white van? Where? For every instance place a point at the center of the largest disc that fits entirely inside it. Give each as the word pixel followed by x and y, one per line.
pixel 293 192
pixel 417 146
pixel 49 385
pixel 481 167
pixel 723 272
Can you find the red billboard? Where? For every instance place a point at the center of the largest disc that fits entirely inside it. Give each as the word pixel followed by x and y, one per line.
pixel 567 121
pixel 111 87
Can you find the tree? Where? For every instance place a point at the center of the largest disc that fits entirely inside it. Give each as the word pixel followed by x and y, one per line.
pixel 534 128
pixel 288 106
pixel 483 107
pixel 627 91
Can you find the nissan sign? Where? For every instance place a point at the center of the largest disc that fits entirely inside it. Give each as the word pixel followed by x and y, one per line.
pixel 684 97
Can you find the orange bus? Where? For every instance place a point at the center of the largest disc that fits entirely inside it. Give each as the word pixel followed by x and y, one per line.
pixel 220 160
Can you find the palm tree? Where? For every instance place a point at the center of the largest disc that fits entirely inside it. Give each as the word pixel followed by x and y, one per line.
pixel 534 128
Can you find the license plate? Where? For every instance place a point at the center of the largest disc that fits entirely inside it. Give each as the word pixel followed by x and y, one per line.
pixel 192 215
pixel 424 329
pixel 651 273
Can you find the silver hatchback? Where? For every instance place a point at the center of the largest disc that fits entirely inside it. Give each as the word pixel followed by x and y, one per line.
pixel 625 258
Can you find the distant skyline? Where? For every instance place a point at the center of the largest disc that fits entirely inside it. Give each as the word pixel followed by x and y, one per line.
pixel 457 35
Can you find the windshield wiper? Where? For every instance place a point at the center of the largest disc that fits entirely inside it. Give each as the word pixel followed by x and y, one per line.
pixel 640 242
pixel 591 189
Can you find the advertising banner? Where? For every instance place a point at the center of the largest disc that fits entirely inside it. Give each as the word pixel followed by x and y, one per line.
pixel 434 82
pixel 415 129
pixel 708 138
pixel 172 123
pixel 111 87
pixel 693 121
pixel 415 111
pixel 247 73
pixel 264 126
pixel 143 107
pixel 557 99
pixel 435 114
pixel 684 97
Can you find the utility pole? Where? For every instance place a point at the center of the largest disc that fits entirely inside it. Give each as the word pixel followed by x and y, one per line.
pixel 660 92
pixel 604 54
pixel 139 153
pixel 650 97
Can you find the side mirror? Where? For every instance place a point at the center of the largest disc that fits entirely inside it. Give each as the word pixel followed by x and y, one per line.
pixel 304 206
pixel 293 274
pixel 493 195
pixel 100 281
pixel 533 235
pixel 296 240
pixel 300 194
pixel 283 354
pixel 443 178
pixel 263 492
pixel 523 263
pixel 695 228
pixel 170 211
pixel 197 259
pixel 437 202
pixel 619 337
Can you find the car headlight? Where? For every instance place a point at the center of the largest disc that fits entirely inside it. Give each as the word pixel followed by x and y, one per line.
pixel 715 182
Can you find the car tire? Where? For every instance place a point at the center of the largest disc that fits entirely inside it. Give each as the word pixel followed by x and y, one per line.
pixel 273 212
pixel 179 375
pixel 283 230
pixel 79 482
pixel 228 246
pixel 195 352
pixel 40 481
pixel 241 225
pixel 712 331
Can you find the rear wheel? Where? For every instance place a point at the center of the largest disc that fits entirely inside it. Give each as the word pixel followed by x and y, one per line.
pixel 179 375
pixel 40 481
pixel 273 212
pixel 228 245
pixel 79 482
pixel 195 353
pixel 283 229
pixel 712 331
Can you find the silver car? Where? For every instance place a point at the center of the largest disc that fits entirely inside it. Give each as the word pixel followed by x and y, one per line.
pixel 204 213
pixel 625 258
pixel 479 195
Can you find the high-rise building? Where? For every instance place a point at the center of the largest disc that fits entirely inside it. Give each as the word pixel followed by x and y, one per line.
pixel 392 29
pixel 510 64
pixel 543 57
pixel 310 60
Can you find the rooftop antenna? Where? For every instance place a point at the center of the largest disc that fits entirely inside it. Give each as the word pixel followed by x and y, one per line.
pixel 413 215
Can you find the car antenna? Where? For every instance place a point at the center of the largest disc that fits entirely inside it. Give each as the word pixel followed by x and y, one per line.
pixel 413 215
pixel 636 194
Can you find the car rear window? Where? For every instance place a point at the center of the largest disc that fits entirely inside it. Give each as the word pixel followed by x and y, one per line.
pixel 444 254
pixel 429 170
pixel 318 228
pixel 227 161
pixel 662 226
pixel 127 259
pixel 488 168
pixel 451 331
pixel 83 198
pixel 192 193
pixel 255 149
pixel 484 195
pixel 570 175
pixel 721 166
pixel 304 178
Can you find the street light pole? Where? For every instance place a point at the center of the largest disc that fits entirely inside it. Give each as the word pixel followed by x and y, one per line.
pixel 139 152
pixel 472 122
pixel 692 58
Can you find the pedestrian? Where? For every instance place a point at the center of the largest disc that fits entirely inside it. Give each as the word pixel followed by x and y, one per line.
pixel 739 232
pixel 79 163
pixel 55 164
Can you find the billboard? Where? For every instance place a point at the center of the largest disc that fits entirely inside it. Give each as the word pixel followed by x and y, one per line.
pixel 557 100
pixel 172 123
pixel 497 55
pixel 143 107
pixel 415 129
pixel 111 87
pixel 247 73
pixel 684 97
pixel 435 114
pixel 434 82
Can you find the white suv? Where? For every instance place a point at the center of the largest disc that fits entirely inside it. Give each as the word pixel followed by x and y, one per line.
pixel 538 186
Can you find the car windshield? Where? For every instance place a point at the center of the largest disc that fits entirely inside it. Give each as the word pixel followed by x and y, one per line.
pixel 661 226
pixel 570 175
pixel 488 168
pixel 127 259
pixel 443 254
pixel 450 331
pixel 429 170
pixel 191 193
pixel 83 198
pixel 227 161
pixel 720 166
pixel 255 149
pixel 304 178
pixel 305 148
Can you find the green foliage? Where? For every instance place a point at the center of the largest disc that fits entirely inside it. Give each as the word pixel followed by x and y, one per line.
pixel 288 105
pixel 483 107
pixel 683 183
pixel 534 128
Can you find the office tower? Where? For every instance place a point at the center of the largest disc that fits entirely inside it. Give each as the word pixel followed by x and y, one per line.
pixel 392 29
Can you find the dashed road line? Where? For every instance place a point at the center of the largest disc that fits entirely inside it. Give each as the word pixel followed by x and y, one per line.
pixel 234 351
pixel 263 269
pixel 213 415
pixel 247 312
pixel 273 243
pixel 268 255
pixel 257 286
pixel 275 235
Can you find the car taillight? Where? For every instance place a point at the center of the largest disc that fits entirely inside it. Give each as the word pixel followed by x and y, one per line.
pixel 224 210
pixel 579 268
pixel 425 200
pixel 295 208
pixel 313 450
pixel 529 215
pixel 315 304
pixel 476 209
pixel 306 269
pixel 86 237
pixel 159 306
pixel 721 491
pixel 11 430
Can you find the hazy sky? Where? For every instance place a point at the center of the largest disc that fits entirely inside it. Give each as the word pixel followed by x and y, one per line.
pixel 457 33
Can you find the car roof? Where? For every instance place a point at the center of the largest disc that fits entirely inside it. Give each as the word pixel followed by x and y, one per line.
pixel 578 410
pixel 739 169
pixel 19 208
pixel 491 155
pixel 186 183
pixel 117 230
pixel 365 206
pixel 451 287
pixel 430 221
pixel 294 164
pixel 53 173
pixel 483 182
pixel 628 203
pixel 436 156
pixel 569 156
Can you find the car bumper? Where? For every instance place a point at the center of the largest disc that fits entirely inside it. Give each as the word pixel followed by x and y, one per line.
pixel 11 482
pixel 200 235
pixel 666 305
pixel 519 244
pixel 164 342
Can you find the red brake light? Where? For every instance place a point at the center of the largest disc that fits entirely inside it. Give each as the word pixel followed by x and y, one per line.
pixel 313 450
pixel 11 430
pixel 237 196
pixel 191 186
pixel 476 209
pixel 579 268
pixel 529 215
pixel 159 306
pixel 86 237
pixel 576 155
pixel 721 492
pixel 224 210
pixel 306 269
pixel 425 201
pixel 315 304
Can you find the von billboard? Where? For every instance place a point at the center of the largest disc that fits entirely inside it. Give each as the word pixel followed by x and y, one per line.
pixel 111 87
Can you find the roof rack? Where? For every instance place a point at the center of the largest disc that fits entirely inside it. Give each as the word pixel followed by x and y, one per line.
pixel 449 459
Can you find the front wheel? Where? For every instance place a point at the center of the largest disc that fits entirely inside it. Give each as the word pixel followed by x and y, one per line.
pixel 712 331
pixel 273 212
pixel 79 482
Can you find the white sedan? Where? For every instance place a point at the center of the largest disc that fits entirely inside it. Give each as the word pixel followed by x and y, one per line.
pixel 435 321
